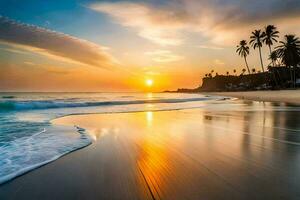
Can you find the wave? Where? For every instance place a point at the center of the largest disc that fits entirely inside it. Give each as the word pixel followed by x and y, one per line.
pixel 28 105
pixel 26 154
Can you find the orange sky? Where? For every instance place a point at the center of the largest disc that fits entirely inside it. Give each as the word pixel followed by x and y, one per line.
pixel 109 48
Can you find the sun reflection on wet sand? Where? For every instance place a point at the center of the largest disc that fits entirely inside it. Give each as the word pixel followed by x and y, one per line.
pixel 198 153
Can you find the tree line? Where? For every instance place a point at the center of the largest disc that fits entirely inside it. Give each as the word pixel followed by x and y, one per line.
pixel 284 53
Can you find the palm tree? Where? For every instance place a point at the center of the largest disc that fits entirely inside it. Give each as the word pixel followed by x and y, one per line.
pixel 270 36
pixel 253 70
pixel 234 71
pixel 274 57
pixel 256 42
pixel 227 73
pixel 289 52
pixel 243 50
pixel 243 71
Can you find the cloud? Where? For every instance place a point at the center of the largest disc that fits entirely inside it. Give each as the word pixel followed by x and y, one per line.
pixel 210 47
pixel 220 22
pixel 219 62
pixel 157 25
pixel 163 56
pixel 53 44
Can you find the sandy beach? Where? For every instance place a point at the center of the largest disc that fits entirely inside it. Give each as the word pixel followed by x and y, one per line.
pixel 248 152
pixel 280 96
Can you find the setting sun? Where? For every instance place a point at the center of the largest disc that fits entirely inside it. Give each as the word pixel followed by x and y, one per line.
pixel 149 82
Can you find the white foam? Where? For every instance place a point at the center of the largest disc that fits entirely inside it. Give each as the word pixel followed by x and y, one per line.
pixel 27 153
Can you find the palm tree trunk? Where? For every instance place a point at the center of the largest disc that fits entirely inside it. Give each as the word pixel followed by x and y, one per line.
pixel 273 63
pixel 247 64
pixel 261 61
pixel 291 74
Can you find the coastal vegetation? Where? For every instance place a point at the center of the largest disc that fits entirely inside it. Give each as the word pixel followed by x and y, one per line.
pixel 283 70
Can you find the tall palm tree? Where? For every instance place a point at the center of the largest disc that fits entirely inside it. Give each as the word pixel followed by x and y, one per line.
pixel 270 36
pixel 289 52
pixel 256 42
pixel 243 50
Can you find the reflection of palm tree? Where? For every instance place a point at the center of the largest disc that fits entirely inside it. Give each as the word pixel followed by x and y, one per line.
pixel 256 42
pixel 243 50
pixel 289 52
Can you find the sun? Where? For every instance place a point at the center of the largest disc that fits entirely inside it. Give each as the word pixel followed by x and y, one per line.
pixel 149 82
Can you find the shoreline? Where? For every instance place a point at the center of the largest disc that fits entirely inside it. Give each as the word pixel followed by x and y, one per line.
pixel 141 155
pixel 277 96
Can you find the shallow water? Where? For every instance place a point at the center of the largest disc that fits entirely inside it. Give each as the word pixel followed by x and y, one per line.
pixel 250 151
pixel 29 140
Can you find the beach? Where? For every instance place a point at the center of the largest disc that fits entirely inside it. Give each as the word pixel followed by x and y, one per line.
pixel 230 150
pixel 279 96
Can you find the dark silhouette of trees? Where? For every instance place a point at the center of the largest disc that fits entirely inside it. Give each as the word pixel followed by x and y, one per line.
pixel 256 42
pixel 283 68
pixel 243 51
pixel 270 36
pixel 274 58
pixel 289 52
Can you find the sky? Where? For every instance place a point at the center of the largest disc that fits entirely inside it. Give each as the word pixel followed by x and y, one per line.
pixel 116 46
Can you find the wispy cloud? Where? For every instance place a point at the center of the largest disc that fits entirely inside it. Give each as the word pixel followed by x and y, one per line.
pixel 53 44
pixel 220 22
pixel 157 25
pixel 163 56
pixel 210 47
pixel 219 62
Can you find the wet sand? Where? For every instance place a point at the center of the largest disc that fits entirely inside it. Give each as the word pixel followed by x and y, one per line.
pixel 286 96
pixel 249 152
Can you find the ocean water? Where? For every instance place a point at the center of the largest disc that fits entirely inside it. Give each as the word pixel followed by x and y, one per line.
pixel 28 139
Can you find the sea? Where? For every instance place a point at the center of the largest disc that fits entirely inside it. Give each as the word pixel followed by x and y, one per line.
pixel 28 139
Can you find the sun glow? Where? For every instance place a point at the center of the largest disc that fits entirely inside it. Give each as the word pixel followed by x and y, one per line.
pixel 149 82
